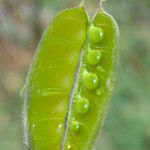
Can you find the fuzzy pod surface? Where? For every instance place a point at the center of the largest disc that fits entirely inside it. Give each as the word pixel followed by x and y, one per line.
pixel 70 81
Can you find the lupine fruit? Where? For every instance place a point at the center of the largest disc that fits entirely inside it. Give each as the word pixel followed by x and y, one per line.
pixel 70 81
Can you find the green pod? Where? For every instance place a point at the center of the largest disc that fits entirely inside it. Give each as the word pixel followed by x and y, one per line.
pixel 51 77
pixel 94 82
pixel 70 81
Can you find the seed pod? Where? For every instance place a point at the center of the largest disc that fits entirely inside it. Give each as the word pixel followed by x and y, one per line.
pixel 51 78
pixel 95 81
pixel 70 81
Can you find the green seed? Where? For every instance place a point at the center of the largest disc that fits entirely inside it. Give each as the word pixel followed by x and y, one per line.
pixel 75 126
pixel 94 57
pixel 95 79
pixel 96 34
pixel 90 81
pixel 82 105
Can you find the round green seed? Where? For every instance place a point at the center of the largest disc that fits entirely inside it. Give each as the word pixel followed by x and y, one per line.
pixel 82 105
pixel 90 81
pixel 94 57
pixel 75 126
pixel 96 34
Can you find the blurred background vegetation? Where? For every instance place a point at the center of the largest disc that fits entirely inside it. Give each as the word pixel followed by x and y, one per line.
pixel 127 125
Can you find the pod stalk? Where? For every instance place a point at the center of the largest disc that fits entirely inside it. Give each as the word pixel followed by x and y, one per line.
pixel 82 4
pixel 101 3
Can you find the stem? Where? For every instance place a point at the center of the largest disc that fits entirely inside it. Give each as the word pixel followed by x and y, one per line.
pixel 101 3
pixel 82 3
